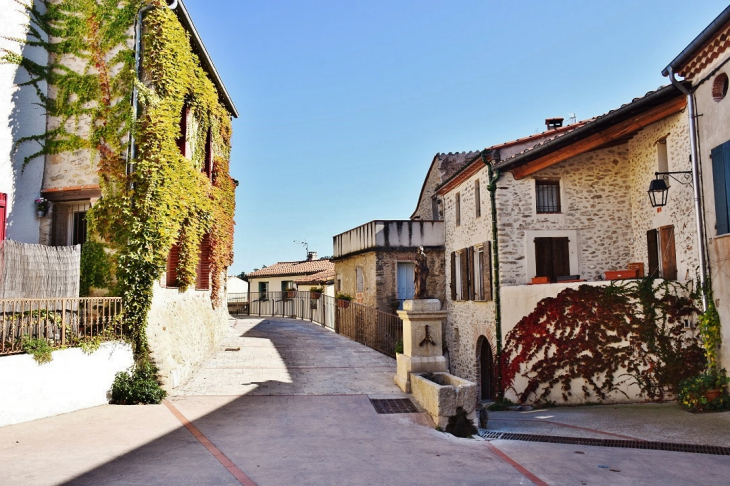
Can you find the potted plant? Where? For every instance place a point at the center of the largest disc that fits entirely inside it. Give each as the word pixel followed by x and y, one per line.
pixel 290 293
pixel 315 292
pixel 343 300
pixel 705 391
pixel 41 206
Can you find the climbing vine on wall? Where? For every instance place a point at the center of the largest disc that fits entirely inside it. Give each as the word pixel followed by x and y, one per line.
pixel 165 198
pixel 598 339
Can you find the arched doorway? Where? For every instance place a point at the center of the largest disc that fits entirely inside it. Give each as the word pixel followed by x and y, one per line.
pixel 485 370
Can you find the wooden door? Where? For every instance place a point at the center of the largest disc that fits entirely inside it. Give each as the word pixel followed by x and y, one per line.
pixel 485 368
pixel 669 255
pixel 552 257
pixel 652 248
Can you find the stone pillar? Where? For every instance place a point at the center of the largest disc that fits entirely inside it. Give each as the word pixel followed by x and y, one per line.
pixel 422 346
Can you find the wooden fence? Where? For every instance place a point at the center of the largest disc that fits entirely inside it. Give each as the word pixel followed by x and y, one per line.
pixel 62 322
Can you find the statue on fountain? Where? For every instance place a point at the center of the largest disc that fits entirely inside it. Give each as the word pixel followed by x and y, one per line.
pixel 421 274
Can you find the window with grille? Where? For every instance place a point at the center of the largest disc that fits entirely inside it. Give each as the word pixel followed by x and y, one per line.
pixel 458 208
pixel 548 196
pixel 477 199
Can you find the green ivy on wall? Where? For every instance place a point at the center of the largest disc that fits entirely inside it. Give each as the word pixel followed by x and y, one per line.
pixel 166 199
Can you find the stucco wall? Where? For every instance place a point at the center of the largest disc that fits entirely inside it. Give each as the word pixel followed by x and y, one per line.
pixel 183 330
pixel 20 116
pixel 72 381
pixel 713 131
pixel 345 272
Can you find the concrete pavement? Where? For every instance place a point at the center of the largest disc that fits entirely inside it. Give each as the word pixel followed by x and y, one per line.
pixel 292 406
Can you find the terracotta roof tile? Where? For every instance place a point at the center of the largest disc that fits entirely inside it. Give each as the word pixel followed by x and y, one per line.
pixel 306 267
pixel 318 278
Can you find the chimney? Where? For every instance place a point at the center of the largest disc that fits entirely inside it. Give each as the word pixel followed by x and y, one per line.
pixel 311 255
pixel 553 123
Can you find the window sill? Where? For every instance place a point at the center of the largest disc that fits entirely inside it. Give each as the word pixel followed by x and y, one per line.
pixel 719 237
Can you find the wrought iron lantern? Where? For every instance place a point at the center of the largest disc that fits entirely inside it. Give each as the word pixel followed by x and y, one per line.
pixel 658 189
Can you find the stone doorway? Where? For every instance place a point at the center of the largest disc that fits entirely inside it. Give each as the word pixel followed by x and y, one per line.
pixel 485 367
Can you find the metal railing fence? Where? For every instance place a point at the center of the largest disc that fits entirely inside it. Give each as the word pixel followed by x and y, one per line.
pixel 366 325
pixel 61 321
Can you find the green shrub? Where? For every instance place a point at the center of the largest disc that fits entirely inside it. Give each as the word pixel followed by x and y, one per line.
pixel 96 267
pixel 139 386
pixel 346 297
pixel 39 348
pixel 399 347
pixel 500 405
pixel 692 392
pixel 318 290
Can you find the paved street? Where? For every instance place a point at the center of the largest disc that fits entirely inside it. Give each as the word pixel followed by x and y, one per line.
pixel 291 406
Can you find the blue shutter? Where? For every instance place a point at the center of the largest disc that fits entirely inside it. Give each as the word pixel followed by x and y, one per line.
pixel 721 184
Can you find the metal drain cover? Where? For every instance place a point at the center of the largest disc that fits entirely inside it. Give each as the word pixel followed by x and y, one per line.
pixel 394 405
pixel 623 444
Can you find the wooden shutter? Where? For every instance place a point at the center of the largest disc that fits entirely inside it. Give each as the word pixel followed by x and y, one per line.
pixel 3 206
pixel 464 261
pixel 173 258
pixel 470 276
pixel 543 257
pixel 487 270
pixel 202 281
pixel 669 255
pixel 453 275
pixel 561 256
pixel 721 184
pixel 182 139
pixel 60 225
pixel 653 251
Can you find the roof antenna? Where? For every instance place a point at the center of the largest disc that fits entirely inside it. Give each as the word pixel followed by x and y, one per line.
pixel 572 119
pixel 304 244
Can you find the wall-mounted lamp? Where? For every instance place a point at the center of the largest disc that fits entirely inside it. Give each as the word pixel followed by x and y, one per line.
pixel 658 188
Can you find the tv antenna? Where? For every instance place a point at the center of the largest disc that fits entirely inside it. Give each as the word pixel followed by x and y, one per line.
pixel 572 119
pixel 304 244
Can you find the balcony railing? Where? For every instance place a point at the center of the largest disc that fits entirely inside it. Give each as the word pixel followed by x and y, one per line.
pixel 60 321
pixel 366 325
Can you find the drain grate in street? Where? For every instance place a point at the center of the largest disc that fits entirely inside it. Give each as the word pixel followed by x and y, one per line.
pixel 624 444
pixel 394 405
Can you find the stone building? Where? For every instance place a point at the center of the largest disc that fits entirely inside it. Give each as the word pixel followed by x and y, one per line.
pixel 703 65
pixel 571 204
pixel 443 166
pixel 183 328
pixel 375 262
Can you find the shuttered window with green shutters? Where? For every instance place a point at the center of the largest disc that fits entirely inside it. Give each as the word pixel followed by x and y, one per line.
pixel 721 184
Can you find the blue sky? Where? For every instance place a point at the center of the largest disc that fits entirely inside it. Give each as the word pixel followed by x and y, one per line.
pixel 343 104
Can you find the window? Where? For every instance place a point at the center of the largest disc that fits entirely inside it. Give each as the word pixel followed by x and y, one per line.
pixel 406 287
pixel 478 273
pixel 662 158
pixel 339 284
pixel 207 168
pixel 173 258
pixel 360 279
pixel 721 183
pixel 552 257
pixel 287 285
pixel 458 208
pixel 477 199
pixel 182 140
pixel 457 276
pixel 719 87
pixel 263 290
pixel 3 205
pixel 202 280
pixel 547 196
pixel 69 223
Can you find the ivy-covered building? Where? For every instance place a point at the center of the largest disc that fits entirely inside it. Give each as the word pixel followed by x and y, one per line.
pixel 136 166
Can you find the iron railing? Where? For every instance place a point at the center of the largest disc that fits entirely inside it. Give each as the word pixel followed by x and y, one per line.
pixel 61 321
pixel 366 325
pixel 237 303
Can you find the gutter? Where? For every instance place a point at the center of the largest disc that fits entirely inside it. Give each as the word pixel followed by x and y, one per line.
pixel 493 175
pixel 696 181
pixel 696 44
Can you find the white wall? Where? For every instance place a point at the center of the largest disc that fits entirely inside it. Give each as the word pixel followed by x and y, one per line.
pixel 236 286
pixel 72 381
pixel 19 117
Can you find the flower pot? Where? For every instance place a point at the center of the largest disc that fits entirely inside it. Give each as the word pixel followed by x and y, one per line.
pixel 540 280
pixel 712 395
pixel 621 274
pixel 343 303
pixel 41 214
pixel 290 294
pixel 315 295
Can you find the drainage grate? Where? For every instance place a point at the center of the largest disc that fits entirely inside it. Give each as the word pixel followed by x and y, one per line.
pixel 624 444
pixel 395 405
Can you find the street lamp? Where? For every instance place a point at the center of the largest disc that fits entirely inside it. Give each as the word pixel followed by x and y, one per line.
pixel 658 188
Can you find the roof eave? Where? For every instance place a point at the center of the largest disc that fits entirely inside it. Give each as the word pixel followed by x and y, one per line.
pixel 184 17
pixel 698 42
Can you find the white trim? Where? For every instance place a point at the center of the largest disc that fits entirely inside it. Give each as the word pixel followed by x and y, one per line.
pixel 573 248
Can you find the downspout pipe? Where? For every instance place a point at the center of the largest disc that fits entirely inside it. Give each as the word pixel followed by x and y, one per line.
pixel 132 152
pixel 699 212
pixel 493 176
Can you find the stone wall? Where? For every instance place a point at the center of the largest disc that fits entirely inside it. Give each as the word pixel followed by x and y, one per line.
pixel 345 273
pixel 679 210
pixel 424 210
pixel 183 330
